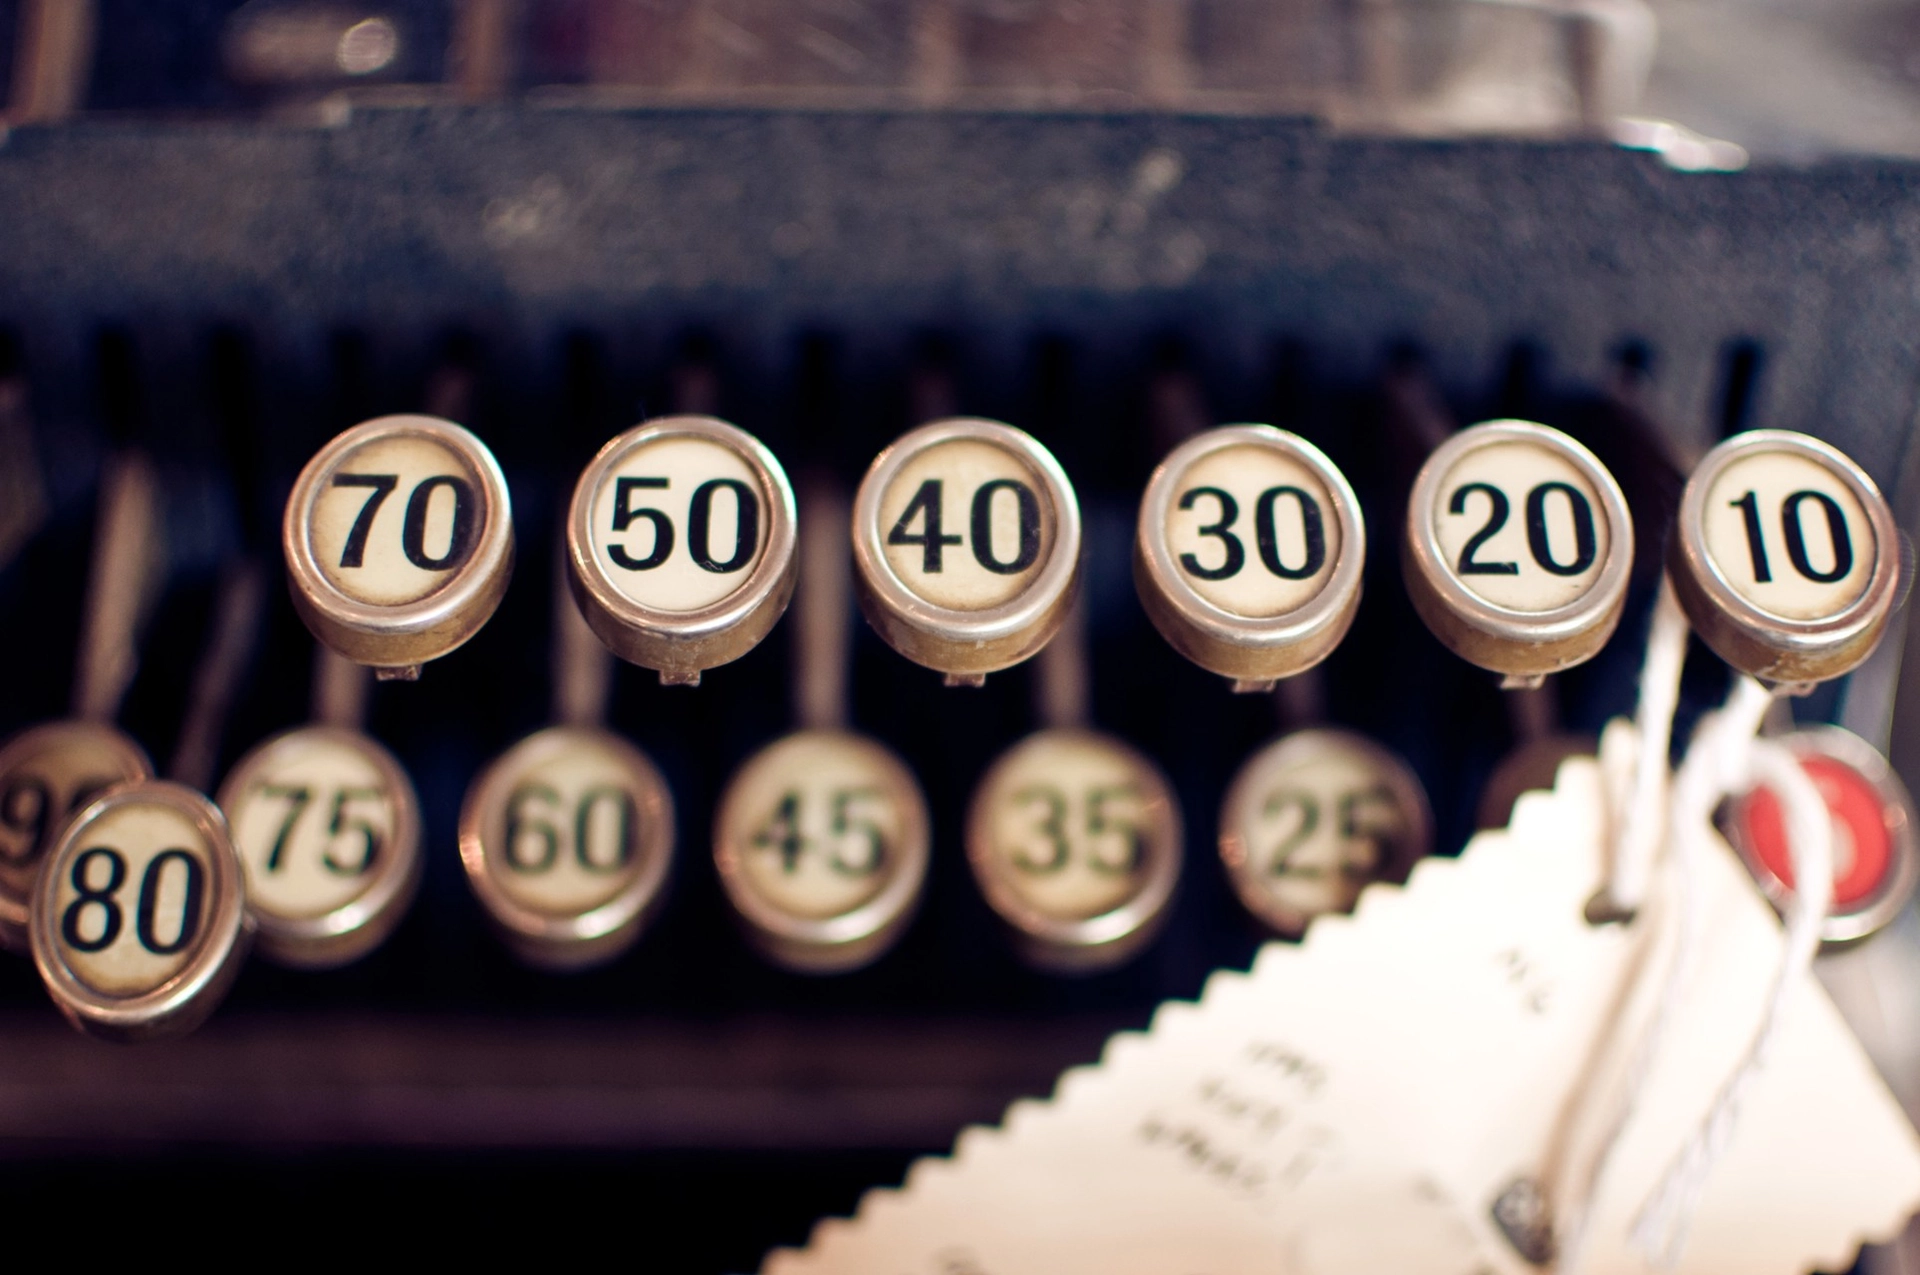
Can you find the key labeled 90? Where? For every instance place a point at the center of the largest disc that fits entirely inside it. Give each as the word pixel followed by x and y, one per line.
pixel 1519 549
pixel 1249 552
pixel 680 545
pixel 399 541
pixel 1785 557
pixel 966 540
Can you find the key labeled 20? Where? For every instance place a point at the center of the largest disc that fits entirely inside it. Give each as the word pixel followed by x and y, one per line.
pixel 1519 548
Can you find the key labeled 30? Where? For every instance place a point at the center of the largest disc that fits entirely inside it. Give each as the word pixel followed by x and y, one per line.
pixel 1249 552
pixel 680 545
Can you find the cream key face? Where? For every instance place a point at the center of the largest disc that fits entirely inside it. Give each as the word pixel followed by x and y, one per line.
pixel 1315 817
pixel 680 544
pixel 679 522
pixel 397 518
pixel 967 525
pixel 567 837
pixel 328 829
pixel 1785 557
pixel 1074 838
pixel 1522 525
pixel 1789 534
pixel 821 841
pixel 47 774
pixel 966 539
pixel 1254 530
pixel 1249 552
pixel 138 910
pixel 399 540
pixel 1519 548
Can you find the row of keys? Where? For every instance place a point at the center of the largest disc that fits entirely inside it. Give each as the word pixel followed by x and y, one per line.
pixel 147 900
pixel 681 548
pixel 151 895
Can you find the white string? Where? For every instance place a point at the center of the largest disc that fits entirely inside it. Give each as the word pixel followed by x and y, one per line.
pixel 1660 1229
pixel 1634 771
pixel 1639 814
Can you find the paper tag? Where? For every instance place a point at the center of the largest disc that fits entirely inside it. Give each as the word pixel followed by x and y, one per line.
pixel 1358 1102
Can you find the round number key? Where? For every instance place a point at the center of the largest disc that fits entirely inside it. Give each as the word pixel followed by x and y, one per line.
pixel 1313 818
pixel 567 839
pixel 966 539
pixel 399 541
pixel 47 773
pixel 1249 552
pixel 821 843
pixel 1876 859
pixel 1785 557
pixel 328 830
pixel 1518 549
pixel 138 920
pixel 680 543
pixel 1075 841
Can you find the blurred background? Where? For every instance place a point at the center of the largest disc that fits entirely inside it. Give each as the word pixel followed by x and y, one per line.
pixel 230 229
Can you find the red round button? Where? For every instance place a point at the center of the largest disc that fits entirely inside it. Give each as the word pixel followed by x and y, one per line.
pixel 1862 842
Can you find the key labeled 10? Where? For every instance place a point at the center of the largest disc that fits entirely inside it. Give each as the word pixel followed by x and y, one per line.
pixel 1785 557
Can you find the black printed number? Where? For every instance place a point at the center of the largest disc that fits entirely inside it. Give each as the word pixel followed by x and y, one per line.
pixel 31 815
pixel 1540 545
pixel 855 844
pixel 1110 839
pixel 94 920
pixel 1793 531
pixel 342 822
pixel 413 524
pixel 932 537
pixel 1266 535
pixel 1367 822
pixel 601 829
pixel 699 523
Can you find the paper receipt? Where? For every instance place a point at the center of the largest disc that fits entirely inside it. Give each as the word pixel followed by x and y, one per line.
pixel 1356 1103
